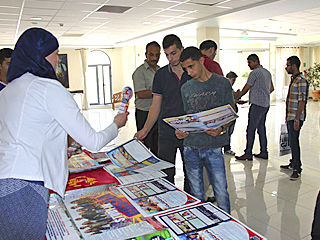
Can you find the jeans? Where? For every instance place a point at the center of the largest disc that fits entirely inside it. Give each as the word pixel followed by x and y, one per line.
pixel 213 160
pixel 151 140
pixel 256 120
pixel 294 144
pixel 167 150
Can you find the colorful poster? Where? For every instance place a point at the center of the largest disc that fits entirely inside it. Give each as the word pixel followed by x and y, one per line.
pixel 156 196
pixel 103 213
pixel 201 121
pixel 207 222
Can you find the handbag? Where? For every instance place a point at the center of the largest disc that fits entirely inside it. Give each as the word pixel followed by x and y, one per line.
pixel 284 147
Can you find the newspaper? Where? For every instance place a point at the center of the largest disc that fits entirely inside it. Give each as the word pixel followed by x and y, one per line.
pixel 201 121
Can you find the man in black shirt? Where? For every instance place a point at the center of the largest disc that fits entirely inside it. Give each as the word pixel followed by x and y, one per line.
pixel 167 102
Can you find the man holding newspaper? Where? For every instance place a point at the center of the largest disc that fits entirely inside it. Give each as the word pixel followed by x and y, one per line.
pixel 205 91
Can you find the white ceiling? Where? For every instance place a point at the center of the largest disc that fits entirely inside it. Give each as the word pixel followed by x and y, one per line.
pixel 77 24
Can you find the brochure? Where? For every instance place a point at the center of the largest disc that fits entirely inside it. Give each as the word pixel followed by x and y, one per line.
pixel 59 224
pixel 133 155
pixel 82 162
pixel 201 121
pixel 156 196
pixel 206 221
pixel 101 212
pixel 125 176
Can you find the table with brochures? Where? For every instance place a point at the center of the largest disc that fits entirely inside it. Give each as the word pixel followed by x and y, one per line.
pixel 121 200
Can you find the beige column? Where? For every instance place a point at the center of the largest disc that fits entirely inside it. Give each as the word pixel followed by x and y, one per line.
pixel 209 33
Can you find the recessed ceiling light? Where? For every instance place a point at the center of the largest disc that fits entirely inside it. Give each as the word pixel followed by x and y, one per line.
pixel 146 23
pixel 302 30
pixel 36 18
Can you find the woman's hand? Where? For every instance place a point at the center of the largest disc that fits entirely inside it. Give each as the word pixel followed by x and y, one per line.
pixel 121 119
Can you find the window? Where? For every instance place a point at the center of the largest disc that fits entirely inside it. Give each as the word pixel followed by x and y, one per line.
pixel 99 78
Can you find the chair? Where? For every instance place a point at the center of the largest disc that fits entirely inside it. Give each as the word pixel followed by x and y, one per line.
pixel 116 98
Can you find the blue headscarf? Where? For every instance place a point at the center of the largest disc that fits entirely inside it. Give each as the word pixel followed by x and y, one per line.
pixel 30 52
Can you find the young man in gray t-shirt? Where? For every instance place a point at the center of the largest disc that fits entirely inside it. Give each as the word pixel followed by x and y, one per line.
pixel 203 92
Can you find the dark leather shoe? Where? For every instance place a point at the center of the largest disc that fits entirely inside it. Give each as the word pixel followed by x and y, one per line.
pixel 211 199
pixel 261 155
pixel 244 157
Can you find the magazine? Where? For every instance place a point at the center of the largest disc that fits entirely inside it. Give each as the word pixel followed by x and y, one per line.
pixel 156 196
pixel 206 221
pixel 101 212
pixel 201 121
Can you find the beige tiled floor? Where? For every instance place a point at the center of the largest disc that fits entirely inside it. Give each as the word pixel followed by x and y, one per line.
pixel 261 195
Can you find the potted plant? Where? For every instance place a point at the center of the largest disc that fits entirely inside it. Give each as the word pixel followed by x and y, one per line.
pixel 312 75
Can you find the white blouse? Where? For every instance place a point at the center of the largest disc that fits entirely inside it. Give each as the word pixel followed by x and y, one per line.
pixel 35 116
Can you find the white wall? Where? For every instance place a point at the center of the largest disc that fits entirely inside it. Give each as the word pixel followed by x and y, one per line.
pixel 74 68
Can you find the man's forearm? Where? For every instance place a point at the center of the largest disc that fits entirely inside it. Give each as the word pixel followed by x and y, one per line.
pixel 301 105
pixel 144 94
pixel 154 112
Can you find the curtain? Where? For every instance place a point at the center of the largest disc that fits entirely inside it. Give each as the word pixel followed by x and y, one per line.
pixel 84 57
pixel 282 77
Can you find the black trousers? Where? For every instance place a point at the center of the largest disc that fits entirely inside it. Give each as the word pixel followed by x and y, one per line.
pixel 167 151
pixel 294 144
pixel 151 140
pixel 315 233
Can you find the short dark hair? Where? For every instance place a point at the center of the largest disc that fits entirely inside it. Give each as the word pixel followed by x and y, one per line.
pixel 253 57
pixel 207 44
pixel 153 43
pixel 294 60
pixel 171 40
pixel 231 75
pixel 190 52
pixel 5 53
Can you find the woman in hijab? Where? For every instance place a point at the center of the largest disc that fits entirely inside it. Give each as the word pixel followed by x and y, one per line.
pixel 37 113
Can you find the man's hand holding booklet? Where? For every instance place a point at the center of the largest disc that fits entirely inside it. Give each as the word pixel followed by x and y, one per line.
pixel 213 118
